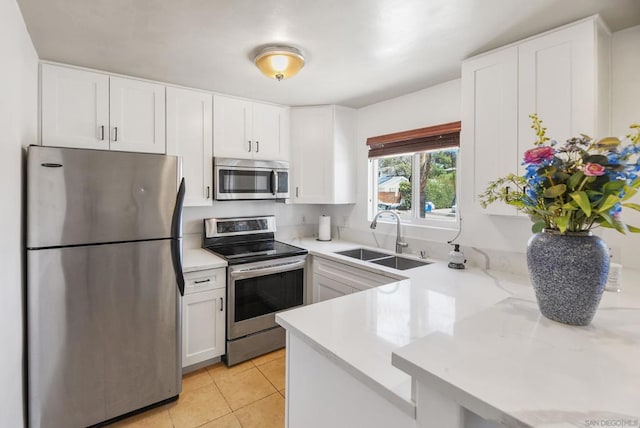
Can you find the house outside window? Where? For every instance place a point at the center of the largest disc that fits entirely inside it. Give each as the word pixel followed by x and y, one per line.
pixel 414 173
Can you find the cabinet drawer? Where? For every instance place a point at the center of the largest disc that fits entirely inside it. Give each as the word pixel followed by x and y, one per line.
pixel 205 280
pixel 356 278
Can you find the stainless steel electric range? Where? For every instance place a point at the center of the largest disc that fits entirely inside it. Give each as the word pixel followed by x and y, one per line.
pixel 264 276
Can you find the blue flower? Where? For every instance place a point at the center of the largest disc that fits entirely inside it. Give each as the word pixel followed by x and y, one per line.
pixel 615 210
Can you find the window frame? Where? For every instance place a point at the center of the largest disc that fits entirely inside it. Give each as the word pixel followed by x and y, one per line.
pixel 414 142
pixel 431 220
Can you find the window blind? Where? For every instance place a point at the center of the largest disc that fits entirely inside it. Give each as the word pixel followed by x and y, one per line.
pixel 437 137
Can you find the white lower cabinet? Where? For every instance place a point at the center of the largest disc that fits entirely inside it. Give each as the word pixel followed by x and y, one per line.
pixel 333 279
pixel 203 316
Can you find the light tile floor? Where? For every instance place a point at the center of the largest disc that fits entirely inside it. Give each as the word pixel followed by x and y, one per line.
pixel 247 395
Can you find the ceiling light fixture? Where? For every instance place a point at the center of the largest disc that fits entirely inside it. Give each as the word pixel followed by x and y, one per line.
pixel 279 62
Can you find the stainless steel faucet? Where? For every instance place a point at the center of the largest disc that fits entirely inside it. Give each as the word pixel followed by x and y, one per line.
pixel 399 244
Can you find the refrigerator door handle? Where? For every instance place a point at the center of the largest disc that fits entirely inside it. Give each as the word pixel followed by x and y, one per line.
pixel 176 226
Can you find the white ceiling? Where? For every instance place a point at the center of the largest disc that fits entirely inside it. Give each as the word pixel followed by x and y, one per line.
pixel 358 51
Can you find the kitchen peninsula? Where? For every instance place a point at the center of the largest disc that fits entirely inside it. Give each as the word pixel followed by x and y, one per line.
pixel 448 348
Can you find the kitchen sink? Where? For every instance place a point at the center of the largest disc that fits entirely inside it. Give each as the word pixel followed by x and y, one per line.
pixel 362 254
pixel 400 263
pixel 384 259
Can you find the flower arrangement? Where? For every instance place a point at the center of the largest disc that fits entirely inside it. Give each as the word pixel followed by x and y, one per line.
pixel 575 186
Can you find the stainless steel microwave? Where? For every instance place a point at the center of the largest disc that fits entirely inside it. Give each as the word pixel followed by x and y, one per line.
pixel 237 179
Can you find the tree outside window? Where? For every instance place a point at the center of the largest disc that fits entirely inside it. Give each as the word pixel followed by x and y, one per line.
pixel 435 188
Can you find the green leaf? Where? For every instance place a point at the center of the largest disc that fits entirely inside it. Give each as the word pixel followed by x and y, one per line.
pixel 608 142
pixel 570 206
pixel 547 170
pixel 538 226
pixel 613 186
pixel 555 191
pixel 600 159
pixel 632 206
pixel 629 192
pixel 608 202
pixel 633 229
pixel 607 218
pixel 620 227
pixel 575 180
pixel 583 202
pixel 562 223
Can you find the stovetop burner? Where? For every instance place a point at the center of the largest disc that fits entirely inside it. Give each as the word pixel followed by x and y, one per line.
pixel 230 239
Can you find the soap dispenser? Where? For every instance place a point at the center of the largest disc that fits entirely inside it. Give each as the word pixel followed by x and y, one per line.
pixel 456 258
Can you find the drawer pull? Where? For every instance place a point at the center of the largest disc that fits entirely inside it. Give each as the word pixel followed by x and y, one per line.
pixel 202 281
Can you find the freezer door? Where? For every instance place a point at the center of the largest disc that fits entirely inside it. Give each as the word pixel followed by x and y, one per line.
pixel 103 332
pixel 78 196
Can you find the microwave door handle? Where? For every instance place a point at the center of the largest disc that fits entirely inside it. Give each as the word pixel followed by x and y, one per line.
pixel 274 182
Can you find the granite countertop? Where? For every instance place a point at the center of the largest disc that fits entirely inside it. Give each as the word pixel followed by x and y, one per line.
pixel 478 335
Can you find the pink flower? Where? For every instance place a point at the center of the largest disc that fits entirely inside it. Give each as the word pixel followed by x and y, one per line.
pixel 539 154
pixel 593 169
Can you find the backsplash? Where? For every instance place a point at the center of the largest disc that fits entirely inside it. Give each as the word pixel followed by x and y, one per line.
pixel 292 221
pixel 510 262
pixel 297 221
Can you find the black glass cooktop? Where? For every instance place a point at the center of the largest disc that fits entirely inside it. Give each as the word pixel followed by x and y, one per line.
pixel 247 252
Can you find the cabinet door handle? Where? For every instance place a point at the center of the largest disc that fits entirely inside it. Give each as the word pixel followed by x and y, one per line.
pixel 297 191
pixel 102 133
pixel 208 191
pixel 202 281
pixel 115 133
pixel 221 304
pixel 249 145
pixel 257 146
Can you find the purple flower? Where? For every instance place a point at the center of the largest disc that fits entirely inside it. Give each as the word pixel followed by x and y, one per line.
pixel 538 155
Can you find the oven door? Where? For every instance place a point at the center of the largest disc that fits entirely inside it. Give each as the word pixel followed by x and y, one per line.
pixel 256 291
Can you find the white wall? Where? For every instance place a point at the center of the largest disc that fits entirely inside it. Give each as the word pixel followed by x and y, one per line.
pixel 625 110
pixel 503 238
pixel 431 106
pixel 18 119
pixel 291 220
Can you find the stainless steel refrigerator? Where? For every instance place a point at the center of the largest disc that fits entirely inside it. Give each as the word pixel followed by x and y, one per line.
pixel 104 281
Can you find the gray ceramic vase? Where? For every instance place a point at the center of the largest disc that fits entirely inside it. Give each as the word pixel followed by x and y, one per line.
pixel 569 273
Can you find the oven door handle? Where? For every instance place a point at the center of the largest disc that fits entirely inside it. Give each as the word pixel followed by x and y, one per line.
pixel 252 272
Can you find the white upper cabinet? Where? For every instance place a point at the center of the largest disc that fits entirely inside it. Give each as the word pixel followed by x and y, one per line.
pixel 90 110
pixel 323 142
pixel 189 135
pixel 561 75
pixel 232 128
pixel 247 130
pixel 269 124
pixel 75 108
pixel 559 80
pixel 137 113
pixel 490 120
